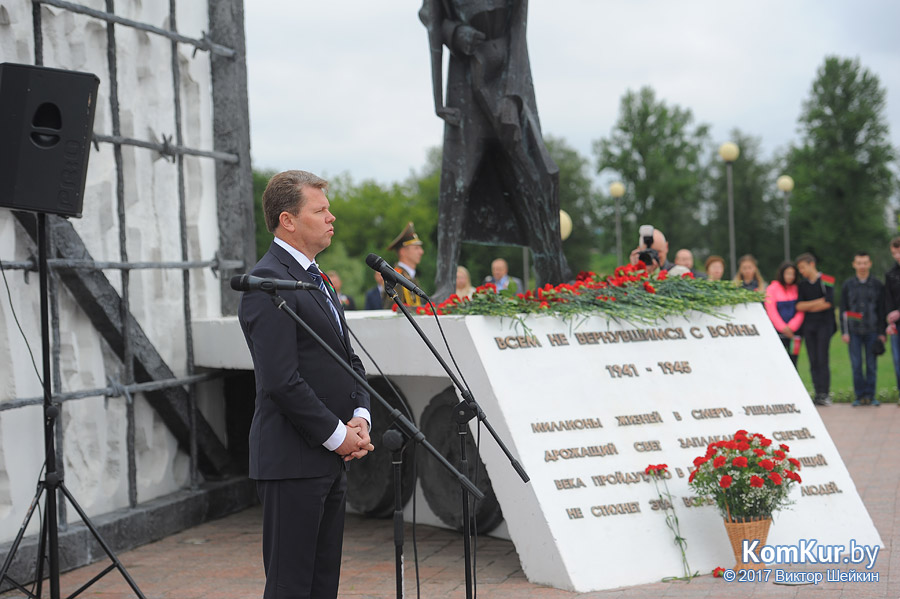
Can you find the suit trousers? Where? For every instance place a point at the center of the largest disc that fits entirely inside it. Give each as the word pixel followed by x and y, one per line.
pixel 303 532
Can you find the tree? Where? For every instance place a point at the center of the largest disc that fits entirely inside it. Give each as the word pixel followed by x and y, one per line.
pixel 758 214
pixel 368 216
pixel 263 237
pixel 656 149
pixel 841 169
pixel 577 197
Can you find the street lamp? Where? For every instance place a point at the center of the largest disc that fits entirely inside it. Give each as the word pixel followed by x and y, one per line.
pixel 617 190
pixel 786 184
pixel 729 152
pixel 565 225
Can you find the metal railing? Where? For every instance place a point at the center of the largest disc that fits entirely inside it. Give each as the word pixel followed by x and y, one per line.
pixel 177 151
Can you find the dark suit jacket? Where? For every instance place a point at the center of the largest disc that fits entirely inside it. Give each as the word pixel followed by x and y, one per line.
pixel 301 392
pixel 374 300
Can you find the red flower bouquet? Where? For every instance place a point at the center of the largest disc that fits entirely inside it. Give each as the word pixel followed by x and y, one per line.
pixel 748 476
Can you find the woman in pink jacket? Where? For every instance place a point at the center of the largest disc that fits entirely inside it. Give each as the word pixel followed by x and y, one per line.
pixel 781 306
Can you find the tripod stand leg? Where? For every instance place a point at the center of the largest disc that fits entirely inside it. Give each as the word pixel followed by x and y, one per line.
pixel 463 429
pixel 21 534
pixel 106 548
pixel 42 550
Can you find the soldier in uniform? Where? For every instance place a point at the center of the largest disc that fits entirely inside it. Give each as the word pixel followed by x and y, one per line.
pixel 409 253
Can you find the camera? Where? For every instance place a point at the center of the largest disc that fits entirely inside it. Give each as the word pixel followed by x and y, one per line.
pixel 648 256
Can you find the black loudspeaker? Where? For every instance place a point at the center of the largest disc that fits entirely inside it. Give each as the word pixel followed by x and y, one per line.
pixel 46 123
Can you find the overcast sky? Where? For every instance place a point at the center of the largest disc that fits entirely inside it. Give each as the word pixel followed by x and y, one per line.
pixel 345 85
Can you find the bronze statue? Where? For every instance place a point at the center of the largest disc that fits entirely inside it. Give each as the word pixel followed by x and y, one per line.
pixel 498 182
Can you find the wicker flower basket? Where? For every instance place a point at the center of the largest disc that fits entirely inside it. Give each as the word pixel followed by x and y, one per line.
pixel 749 530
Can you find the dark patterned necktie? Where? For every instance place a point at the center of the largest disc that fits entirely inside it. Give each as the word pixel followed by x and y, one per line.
pixel 316 275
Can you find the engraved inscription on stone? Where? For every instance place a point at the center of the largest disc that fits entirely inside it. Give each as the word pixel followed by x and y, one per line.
pixel 575 424
pixel 771 409
pixel 826 489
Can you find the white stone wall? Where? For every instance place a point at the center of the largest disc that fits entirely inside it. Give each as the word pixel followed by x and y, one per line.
pixel 94 450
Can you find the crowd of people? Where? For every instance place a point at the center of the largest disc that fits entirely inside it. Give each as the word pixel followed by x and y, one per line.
pixel 799 302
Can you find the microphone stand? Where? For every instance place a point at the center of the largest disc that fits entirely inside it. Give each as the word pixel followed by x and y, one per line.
pixel 467 409
pixel 407 428
pixel 394 441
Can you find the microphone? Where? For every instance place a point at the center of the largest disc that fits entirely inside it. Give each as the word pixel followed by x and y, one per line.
pixel 377 263
pixel 251 283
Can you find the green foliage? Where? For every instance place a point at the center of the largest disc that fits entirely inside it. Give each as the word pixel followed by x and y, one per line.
pixel 370 215
pixel 758 209
pixel 843 181
pixel 578 198
pixel 263 237
pixel 655 149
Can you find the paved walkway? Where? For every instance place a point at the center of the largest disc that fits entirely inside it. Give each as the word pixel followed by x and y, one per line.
pixel 222 559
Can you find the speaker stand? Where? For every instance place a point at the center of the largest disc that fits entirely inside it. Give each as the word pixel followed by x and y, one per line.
pixel 49 540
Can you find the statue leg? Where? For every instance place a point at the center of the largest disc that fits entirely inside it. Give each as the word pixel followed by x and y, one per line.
pixel 537 179
pixel 451 222
pixel 460 163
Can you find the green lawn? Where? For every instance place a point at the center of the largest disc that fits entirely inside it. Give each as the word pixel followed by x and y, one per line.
pixel 842 375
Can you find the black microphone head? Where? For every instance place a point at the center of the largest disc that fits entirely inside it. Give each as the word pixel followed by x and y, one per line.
pixel 237 282
pixel 374 261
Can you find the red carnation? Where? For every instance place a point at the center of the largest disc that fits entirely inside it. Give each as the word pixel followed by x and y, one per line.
pixel 719 461
pixel 767 464
pixel 775 478
pixel 795 462
pixel 699 461
pixel 759 452
pixel 784 447
pixel 780 454
pixel 739 462
pixel 792 475
pixel 691 477
pixel 725 481
pixel 743 446
pixel 757 482
pixel 718 572
pixel 766 442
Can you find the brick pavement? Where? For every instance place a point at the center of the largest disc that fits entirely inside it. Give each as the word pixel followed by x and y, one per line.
pixel 222 559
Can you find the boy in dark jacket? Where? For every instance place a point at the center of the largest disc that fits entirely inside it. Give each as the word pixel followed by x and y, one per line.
pixel 892 305
pixel 815 297
pixel 862 319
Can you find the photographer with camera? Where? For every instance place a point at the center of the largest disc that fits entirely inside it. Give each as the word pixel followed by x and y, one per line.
pixel 651 250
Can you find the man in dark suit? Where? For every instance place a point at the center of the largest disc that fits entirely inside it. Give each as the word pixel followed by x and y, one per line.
pixel 375 295
pixel 311 417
